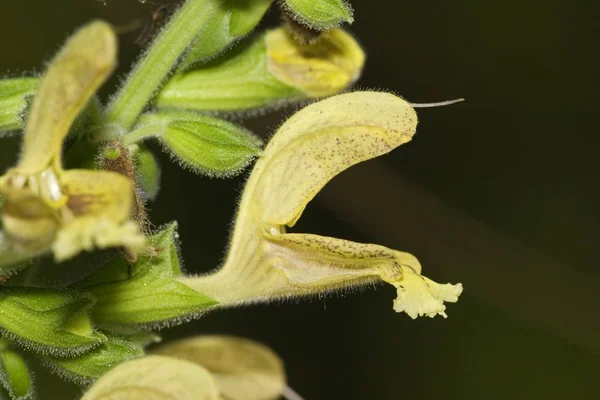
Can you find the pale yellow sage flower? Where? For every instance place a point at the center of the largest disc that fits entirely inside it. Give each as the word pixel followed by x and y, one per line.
pixel 320 141
pixel 47 207
pixel 317 69
pixel 242 369
pixel 155 378
pixel 199 368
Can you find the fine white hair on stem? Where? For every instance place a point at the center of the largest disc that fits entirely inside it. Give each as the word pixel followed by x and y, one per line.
pixel 438 104
pixel 290 394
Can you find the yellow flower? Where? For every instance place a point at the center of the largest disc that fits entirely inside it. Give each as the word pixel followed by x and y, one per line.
pixel 265 262
pixel 67 211
pixel 200 368
pixel 419 296
pixel 317 69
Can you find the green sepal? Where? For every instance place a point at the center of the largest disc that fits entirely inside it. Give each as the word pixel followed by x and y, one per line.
pixel 151 296
pixel 148 172
pixel 233 20
pixel 15 377
pixel 115 270
pixel 238 80
pixel 206 145
pixel 48 321
pixel 320 14
pixel 13 101
pixel 90 366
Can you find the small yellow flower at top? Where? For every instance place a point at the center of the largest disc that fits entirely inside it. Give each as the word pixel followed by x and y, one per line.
pixel 67 211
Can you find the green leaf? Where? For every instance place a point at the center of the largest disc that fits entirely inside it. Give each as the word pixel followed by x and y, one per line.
pixel 320 14
pixel 15 376
pixel 233 20
pixel 13 101
pixel 205 144
pixel 48 321
pixel 90 366
pixel 115 270
pixel 238 80
pixel 148 173
pixel 151 296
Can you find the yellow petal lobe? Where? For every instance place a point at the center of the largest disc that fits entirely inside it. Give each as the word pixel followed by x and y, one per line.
pixel 320 69
pixel 72 78
pixel 420 296
pixel 243 369
pixel 155 378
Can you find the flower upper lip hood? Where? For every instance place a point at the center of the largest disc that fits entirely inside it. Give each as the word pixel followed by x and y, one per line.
pixel 312 147
pixel 47 207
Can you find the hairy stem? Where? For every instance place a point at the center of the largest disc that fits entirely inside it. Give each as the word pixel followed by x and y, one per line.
pixel 142 133
pixel 160 59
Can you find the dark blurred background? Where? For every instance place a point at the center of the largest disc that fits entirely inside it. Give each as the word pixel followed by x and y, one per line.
pixel 500 193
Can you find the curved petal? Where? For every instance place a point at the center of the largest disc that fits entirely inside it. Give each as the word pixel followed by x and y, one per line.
pixel 313 146
pixel 73 77
pixel 243 369
pixel 97 213
pixel 318 69
pixel 155 378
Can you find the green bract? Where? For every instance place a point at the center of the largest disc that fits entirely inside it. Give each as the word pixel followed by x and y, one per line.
pixel 233 20
pixel 13 101
pixel 149 293
pixel 92 365
pixel 61 320
pixel 204 144
pixel 320 14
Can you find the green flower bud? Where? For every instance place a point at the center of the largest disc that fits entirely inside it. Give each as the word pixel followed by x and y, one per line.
pixel 13 101
pixel 233 20
pixel 320 14
pixel 268 70
pixel 205 144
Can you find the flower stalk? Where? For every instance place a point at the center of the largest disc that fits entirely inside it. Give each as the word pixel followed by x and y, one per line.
pixel 155 65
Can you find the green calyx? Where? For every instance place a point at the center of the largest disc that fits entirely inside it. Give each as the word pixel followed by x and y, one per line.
pixel 204 144
pixel 14 94
pixel 320 14
pixel 147 292
pixel 233 20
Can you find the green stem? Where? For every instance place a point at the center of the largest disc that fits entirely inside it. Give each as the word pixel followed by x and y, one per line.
pixel 156 64
pixel 142 133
